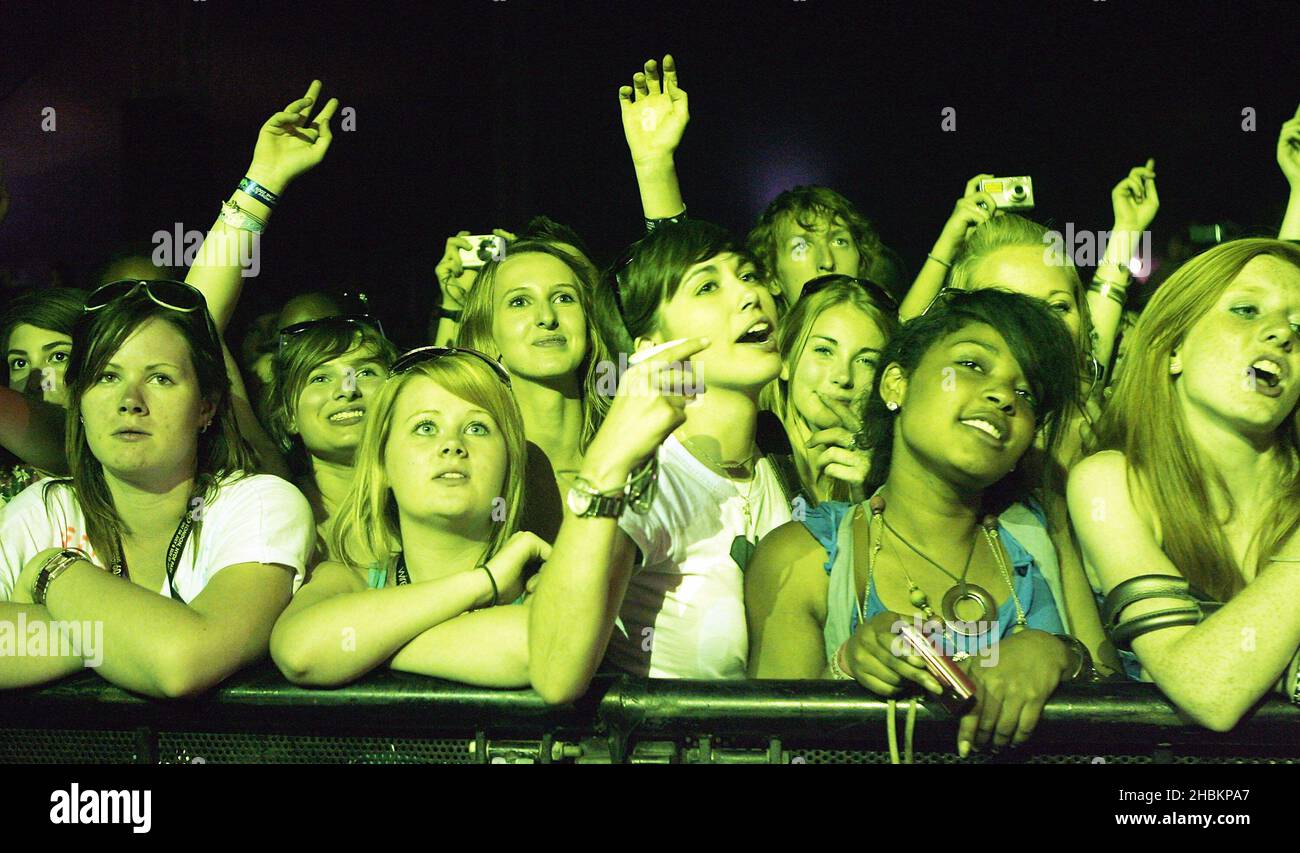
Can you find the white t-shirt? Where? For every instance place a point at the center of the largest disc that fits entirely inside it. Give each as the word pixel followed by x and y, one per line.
pixel 257 519
pixel 684 614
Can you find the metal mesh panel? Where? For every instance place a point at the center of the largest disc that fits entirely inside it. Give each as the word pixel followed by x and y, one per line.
pixel 213 748
pixel 853 756
pixel 66 746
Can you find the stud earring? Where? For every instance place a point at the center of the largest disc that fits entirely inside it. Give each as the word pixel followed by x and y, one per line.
pixel 892 406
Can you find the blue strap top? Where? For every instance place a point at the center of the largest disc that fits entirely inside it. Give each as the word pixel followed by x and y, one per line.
pixel 824 522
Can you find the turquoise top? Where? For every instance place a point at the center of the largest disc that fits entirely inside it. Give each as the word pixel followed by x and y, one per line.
pixel 831 524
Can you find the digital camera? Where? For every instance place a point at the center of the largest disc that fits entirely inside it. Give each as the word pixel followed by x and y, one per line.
pixel 486 247
pixel 1010 193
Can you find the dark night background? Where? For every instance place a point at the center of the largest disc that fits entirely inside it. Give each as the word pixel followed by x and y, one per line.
pixel 479 114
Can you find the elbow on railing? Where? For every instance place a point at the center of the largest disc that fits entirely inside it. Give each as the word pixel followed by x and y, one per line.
pixel 178 673
pixel 559 688
pixel 298 665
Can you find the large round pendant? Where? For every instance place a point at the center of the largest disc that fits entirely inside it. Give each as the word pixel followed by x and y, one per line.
pixel 969 592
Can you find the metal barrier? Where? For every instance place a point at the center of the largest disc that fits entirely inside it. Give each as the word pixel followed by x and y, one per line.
pixel 256 717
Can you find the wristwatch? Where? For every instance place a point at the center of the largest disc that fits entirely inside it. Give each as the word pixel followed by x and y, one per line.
pixel 55 565
pixel 588 503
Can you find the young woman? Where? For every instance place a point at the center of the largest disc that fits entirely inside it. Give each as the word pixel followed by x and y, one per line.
pixel 426 535
pixel 327 373
pixel 680 611
pixel 1197 480
pixel 36 337
pixel 1012 253
pixel 961 397
pixel 533 311
pixel 153 442
pixel 830 344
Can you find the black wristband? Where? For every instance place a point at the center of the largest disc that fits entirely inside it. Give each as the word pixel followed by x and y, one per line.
pixel 452 314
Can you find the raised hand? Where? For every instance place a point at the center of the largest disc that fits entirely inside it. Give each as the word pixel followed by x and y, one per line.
pixel 1135 200
pixel 292 142
pixel 650 404
pixel 655 113
pixel 972 209
pixel 1288 150
pixel 454 280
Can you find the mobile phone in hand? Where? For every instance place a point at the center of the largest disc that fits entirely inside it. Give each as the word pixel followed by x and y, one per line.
pixel 958 689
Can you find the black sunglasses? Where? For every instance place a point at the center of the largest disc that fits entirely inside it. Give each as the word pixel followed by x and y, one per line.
pixel 943 295
pixel 176 295
pixel 362 322
pixel 419 355
pixel 875 291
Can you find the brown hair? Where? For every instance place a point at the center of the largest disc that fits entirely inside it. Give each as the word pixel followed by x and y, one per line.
pixel 805 205
pixel 96 338
pixel 792 335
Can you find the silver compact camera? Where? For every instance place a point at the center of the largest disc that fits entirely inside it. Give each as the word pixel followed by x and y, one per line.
pixel 1010 193
pixel 486 247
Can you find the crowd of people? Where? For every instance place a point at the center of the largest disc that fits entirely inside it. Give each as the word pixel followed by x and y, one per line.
pixel 717 458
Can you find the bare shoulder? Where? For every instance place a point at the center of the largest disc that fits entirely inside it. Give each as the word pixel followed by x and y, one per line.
pixel 789 561
pixel 1105 483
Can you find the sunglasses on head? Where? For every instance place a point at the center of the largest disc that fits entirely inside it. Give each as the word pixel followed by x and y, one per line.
pixel 419 355
pixel 875 291
pixel 342 322
pixel 944 295
pixel 175 295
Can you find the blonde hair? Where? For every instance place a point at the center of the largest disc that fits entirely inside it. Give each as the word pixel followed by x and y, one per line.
pixel 1145 422
pixel 476 327
pixel 1012 231
pixel 365 531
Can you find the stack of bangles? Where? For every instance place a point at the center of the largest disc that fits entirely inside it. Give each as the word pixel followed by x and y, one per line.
pixel 1109 288
pixel 236 217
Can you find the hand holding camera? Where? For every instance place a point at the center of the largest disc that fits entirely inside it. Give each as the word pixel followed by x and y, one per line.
pixel 973 208
pixel 462 257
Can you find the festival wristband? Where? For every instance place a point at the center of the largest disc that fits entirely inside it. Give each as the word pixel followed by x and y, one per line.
pixel 252 188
